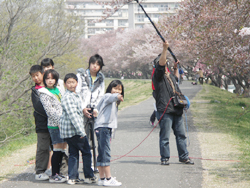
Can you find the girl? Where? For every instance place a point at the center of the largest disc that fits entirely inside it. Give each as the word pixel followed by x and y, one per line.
pixel 50 97
pixel 105 122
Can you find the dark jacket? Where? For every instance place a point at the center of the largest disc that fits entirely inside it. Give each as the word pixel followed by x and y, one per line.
pixel 164 91
pixel 41 119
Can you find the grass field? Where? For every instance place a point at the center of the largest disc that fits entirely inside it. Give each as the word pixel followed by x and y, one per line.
pixel 223 121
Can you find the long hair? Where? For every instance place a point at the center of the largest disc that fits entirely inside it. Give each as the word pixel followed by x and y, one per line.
pixel 115 83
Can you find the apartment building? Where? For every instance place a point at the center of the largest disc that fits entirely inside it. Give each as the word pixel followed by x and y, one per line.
pixel 129 16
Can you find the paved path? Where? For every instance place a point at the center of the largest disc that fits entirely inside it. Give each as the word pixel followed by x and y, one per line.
pixel 141 167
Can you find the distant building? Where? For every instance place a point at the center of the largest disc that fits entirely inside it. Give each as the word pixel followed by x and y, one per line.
pixel 129 16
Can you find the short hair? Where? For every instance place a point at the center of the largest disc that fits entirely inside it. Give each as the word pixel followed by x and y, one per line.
pixel 70 75
pixel 97 58
pixel 115 83
pixel 55 75
pixel 47 62
pixel 35 69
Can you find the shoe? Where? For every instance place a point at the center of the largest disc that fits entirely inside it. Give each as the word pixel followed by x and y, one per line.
pixel 165 162
pixel 57 179
pixel 48 172
pixel 76 181
pixel 91 180
pixel 187 161
pixel 100 182
pixel 111 183
pixel 63 176
pixel 41 177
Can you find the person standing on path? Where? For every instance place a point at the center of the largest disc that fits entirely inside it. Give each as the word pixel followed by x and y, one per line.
pixel 165 83
pixel 106 121
pixel 200 72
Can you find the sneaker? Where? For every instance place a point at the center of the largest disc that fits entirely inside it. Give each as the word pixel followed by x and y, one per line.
pixel 41 177
pixel 100 182
pixel 57 179
pixel 48 172
pixel 187 161
pixel 165 162
pixel 111 183
pixel 91 180
pixel 76 181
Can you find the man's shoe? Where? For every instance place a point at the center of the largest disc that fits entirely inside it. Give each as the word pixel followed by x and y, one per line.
pixel 165 162
pixel 41 177
pixel 187 161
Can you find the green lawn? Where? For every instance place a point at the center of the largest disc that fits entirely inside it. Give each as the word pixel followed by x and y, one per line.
pixel 230 114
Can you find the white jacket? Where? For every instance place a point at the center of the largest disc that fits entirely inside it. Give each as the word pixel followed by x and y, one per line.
pixel 52 107
pixel 89 97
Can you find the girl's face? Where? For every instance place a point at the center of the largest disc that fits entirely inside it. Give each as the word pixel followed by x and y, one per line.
pixel 117 89
pixel 94 68
pixel 50 81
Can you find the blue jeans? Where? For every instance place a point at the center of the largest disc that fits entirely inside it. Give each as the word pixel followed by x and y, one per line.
pixel 77 144
pixel 103 135
pixel 175 122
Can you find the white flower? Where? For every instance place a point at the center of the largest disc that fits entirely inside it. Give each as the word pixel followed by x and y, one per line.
pixel 244 31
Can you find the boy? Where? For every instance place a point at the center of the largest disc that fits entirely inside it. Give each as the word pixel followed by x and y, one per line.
pixel 43 136
pixel 72 130
pixel 91 86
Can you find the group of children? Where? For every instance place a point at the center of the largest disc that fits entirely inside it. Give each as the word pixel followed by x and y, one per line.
pixel 60 115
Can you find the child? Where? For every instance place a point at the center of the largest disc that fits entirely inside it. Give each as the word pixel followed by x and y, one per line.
pixel 91 85
pixel 72 130
pixel 50 98
pixel 47 64
pixel 106 121
pixel 43 136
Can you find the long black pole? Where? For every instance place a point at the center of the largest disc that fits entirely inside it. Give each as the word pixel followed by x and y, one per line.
pixel 157 30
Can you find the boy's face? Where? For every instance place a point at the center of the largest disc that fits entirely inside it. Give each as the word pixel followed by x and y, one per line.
pixel 94 67
pixel 48 67
pixel 71 84
pixel 37 77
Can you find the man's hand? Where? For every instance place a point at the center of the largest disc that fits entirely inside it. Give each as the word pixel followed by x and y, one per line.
pixel 86 112
pixel 176 63
pixel 165 46
pixel 120 97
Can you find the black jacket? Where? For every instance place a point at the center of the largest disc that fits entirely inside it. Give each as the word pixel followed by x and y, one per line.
pixel 164 91
pixel 40 115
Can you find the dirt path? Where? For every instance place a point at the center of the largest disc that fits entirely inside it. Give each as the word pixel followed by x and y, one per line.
pixel 17 162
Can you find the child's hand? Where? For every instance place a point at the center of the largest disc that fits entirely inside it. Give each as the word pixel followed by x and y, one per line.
pixel 120 97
